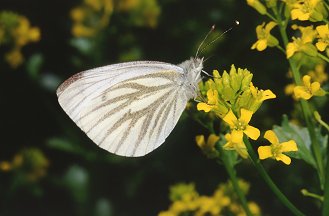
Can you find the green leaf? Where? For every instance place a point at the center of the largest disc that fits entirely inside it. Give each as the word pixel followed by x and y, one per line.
pixel 33 65
pixel 289 131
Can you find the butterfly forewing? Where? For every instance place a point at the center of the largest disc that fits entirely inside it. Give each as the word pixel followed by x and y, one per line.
pixel 128 109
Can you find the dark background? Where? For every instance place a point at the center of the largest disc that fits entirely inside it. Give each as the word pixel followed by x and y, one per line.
pixel 86 178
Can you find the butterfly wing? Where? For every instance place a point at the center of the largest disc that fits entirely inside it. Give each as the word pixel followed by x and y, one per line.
pixel 128 109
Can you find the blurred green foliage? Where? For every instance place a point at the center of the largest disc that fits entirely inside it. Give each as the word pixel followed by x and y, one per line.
pixel 74 176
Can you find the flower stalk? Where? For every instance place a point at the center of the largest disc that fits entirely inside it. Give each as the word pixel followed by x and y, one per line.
pixel 307 113
pixel 233 177
pixel 269 181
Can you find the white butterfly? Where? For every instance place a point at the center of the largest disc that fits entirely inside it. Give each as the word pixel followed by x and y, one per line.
pixel 129 109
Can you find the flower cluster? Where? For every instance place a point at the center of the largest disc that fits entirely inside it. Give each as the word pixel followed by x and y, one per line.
pixel 30 163
pixel 309 43
pixel 16 32
pixel 185 199
pixel 92 16
pixel 234 98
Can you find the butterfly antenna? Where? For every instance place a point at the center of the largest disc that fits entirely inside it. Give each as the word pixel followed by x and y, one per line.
pixel 205 38
pixel 211 42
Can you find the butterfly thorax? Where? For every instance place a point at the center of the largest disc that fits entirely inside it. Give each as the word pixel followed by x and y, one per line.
pixel 192 76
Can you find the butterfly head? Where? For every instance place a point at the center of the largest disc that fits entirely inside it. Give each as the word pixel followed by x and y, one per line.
pixel 192 75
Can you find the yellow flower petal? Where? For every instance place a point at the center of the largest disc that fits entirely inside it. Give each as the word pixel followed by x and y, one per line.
pixel 307 80
pixel 321 46
pixel 302 92
pixel 261 45
pixel 264 152
pixel 315 87
pixel 323 30
pixel 242 151
pixel 212 139
pixel 289 146
pixel 291 49
pixel 267 94
pixel 230 118
pixel 200 140
pixel 252 132
pixel 245 115
pixel 271 136
pixel 284 158
pixel 203 106
pixel 212 96
pixel 237 136
pixel 270 26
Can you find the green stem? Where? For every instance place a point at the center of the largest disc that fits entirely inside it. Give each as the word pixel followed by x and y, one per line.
pixel 323 57
pixel 271 17
pixel 306 112
pixel 268 179
pixel 232 174
pixel 325 204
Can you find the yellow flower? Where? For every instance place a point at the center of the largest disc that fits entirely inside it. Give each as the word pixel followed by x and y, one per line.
pixel 309 89
pixel 312 10
pixel 254 208
pixel 318 74
pixel 14 58
pixel 240 126
pixel 80 30
pixel 258 6
pixel 289 89
pixel 276 149
pixel 323 40
pixel 212 96
pixel 261 95
pixel 238 146
pixel 208 147
pixel 212 139
pixel 77 14
pixel 91 17
pixel 303 43
pixel 5 166
pixel 126 5
pixel 298 45
pixel 264 37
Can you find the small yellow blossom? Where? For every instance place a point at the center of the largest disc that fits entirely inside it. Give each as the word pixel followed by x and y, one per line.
pixel 312 10
pixel 258 6
pixel 303 43
pixel 298 45
pixel 264 37
pixel 240 126
pixel 16 32
pixel 14 58
pixel 239 146
pixel 208 147
pixel 289 90
pixel 308 89
pixel 5 166
pixel 323 40
pixel 212 96
pixel 276 149
pixel 261 95
pixel 318 74
pixel 77 14
pixel 127 5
